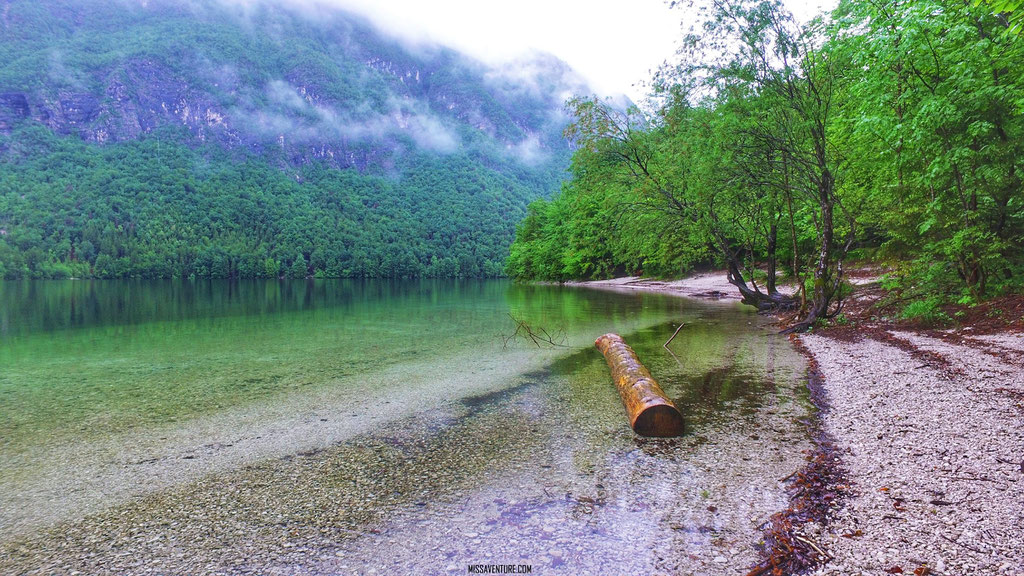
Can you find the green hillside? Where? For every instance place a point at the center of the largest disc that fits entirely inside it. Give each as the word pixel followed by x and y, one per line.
pixel 178 139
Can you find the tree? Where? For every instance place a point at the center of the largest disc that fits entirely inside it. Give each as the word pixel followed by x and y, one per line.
pixel 299 267
pixel 941 98
pixel 744 132
pixel 1011 10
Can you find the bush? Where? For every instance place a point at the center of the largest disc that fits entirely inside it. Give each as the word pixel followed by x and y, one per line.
pixel 926 311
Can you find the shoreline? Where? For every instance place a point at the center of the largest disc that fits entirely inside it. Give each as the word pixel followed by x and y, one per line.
pixel 702 285
pixel 574 492
pixel 927 427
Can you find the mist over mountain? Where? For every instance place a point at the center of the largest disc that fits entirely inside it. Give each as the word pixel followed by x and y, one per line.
pixel 226 139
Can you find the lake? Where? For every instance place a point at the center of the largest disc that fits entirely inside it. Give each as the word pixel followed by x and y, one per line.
pixel 343 426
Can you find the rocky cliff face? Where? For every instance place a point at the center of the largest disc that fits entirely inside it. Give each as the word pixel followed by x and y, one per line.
pixel 268 80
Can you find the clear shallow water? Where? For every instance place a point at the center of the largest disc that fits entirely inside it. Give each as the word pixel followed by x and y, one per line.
pixel 86 358
pixel 359 410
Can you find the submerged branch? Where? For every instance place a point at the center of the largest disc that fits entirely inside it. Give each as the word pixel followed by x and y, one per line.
pixel 674 334
pixel 537 335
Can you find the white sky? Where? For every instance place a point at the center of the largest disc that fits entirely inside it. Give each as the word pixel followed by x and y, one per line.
pixel 613 45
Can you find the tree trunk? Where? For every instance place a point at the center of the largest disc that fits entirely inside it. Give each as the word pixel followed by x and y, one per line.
pixel 792 234
pixel 764 302
pixel 824 284
pixel 772 260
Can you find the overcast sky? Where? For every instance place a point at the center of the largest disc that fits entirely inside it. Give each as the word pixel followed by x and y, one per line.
pixel 614 45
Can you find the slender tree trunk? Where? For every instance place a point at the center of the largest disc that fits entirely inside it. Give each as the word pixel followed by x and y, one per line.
pixel 773 232
pixel 823 288
pixel 824 283
pixel 792 234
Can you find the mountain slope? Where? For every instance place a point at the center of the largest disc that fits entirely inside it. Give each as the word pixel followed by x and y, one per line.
pixel 160 139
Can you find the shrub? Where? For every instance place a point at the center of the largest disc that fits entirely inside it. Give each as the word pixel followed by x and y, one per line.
pixel 926 311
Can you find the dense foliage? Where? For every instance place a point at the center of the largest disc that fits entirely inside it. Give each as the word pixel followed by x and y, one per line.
pixel 155 208
pixel 892 131
pixel 199 138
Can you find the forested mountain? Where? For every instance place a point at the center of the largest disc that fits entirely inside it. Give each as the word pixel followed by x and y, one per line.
pixel 890 131
pixel 176 138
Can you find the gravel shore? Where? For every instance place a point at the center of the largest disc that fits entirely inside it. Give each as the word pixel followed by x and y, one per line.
pixel 932 441
pixel 703 285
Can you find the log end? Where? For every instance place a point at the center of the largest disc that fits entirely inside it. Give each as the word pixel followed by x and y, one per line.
pixel 649 410
pixel 659 421
pixel 605 341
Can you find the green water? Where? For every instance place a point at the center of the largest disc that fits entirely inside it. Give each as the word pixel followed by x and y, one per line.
pixel 112 390
pixel 83 362
pixel 85 358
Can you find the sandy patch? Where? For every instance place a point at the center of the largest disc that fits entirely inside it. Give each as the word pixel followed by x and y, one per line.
pixel 706 285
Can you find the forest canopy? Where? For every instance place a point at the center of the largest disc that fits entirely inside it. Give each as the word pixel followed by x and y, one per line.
pixel 157 208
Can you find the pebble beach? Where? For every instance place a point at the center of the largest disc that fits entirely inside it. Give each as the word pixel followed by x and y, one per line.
pixel 931 437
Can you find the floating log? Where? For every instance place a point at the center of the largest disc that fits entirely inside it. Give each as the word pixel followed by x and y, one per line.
pixel 650 412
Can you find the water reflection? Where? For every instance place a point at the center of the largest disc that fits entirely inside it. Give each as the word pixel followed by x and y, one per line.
pixel 44 306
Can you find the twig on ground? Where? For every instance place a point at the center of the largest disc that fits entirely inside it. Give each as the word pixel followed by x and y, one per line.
pixel 959 543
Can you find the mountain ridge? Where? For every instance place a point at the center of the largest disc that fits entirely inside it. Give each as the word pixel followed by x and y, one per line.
pixel 231 84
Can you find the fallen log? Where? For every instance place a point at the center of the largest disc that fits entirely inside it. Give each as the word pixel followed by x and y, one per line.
pixel 650 412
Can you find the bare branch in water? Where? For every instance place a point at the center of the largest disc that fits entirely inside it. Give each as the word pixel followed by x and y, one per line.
pixel 538 335
pixel 673 336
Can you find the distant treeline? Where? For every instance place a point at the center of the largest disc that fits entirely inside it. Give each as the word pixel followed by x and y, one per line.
pixel 892 131
pixel 157 208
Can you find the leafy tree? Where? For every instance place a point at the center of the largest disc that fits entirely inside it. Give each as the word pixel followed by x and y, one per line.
pixel 940 101
pixel 1011 10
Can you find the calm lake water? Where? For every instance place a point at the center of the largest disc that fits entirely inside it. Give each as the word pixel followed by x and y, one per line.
pixel 316 427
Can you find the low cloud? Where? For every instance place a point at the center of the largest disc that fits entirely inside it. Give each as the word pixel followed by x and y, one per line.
pixel 223 76
pixel 281 93
pixel 298 117
pixel 62 75
pixel 529 151
pixel 538 75
pixel 428 132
